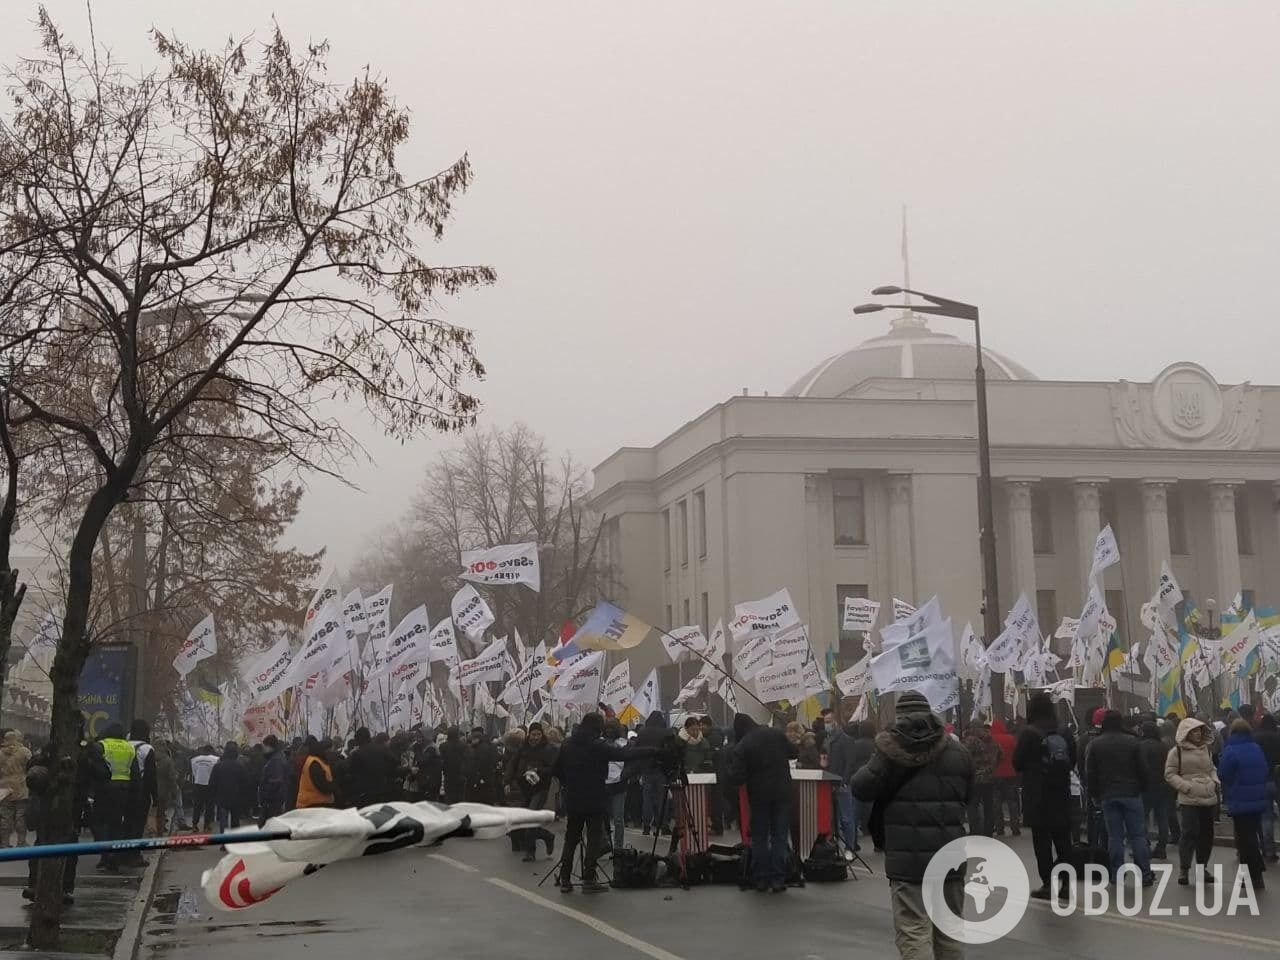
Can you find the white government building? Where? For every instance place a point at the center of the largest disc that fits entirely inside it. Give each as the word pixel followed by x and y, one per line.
pixel 862 480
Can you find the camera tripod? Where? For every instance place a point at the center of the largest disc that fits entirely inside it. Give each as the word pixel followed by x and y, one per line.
pixel 682 826
pixel 578 866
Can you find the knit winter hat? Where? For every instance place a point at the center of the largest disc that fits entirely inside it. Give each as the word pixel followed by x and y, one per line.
pixel 911 702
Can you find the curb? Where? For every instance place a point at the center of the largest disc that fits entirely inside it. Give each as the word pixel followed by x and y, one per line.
pixel 127 945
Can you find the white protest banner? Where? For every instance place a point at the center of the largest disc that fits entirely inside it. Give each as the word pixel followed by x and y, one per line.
pixel 408 641
pixel 783 681
pixel 972 655
pixel 1241 642
pixel 1168 593
pixel 617 692
pixel 486 666
pixel 508 563
pixel 1087 628
pixel 686 642
pixel 1271 649
pixel 327 592
pixel 267 674
pixel 377 612
pixel 753 656
pixel 717 646
pixel 860 614
pixel 791 645
pixel 471 614
pixel 902 609
pixel 690 690
pixel 912 624
pixel 413 670
pixel 433 713
pixel 353 610
pixel 982 693
pixel 1106 552
pixel 1063 690
pixel 646 701
pixel 201 642
pixel 811 675
pixel 442 644
pixel 1005 653
pixel 323 630
pixel 581 684
pixel 401 706
pixel 1162 651
pixel 1066 629
pixel 556 669
pixel 924 663
pixel 1022 622
pixel 758 617
pixel 853 682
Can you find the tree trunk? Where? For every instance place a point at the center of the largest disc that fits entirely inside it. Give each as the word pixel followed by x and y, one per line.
pixel 67 724
pixel 11 594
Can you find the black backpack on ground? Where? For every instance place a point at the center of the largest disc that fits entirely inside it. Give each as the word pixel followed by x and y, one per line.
pixel 634 869
pixel 825 864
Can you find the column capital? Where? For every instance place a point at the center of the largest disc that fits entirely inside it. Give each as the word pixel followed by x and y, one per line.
pixel 1158 481
pixel 1155 495
pixel 1222 495
pixel 899 486
pixel 1088 493
pixel 1018 491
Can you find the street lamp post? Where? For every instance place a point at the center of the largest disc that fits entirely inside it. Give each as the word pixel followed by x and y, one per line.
pixel 941 306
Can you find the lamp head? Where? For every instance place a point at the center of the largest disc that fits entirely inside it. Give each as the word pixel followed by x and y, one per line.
pixel 885 291
pixel 868 308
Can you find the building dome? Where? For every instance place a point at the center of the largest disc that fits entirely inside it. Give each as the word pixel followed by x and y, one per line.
pixel 910 351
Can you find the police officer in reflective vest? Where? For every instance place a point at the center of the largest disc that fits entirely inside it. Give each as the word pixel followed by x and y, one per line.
pixel 112 801
pixel 145 793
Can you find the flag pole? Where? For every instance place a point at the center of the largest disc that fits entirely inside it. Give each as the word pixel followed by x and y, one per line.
pixel 720 669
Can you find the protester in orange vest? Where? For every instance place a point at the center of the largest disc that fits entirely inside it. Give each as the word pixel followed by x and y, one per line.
pixel 315 786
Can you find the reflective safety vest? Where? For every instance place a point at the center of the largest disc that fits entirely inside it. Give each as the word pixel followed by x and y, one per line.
pixel 308 794
pixel 119 754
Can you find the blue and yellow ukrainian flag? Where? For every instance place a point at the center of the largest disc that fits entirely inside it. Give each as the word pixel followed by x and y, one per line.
pixel 1115 655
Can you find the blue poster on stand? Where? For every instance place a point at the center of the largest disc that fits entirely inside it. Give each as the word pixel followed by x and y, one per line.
pixel 106 687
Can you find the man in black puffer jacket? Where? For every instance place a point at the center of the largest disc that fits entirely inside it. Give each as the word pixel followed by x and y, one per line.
pixel 919 779
pixel 1155 796
pixel 1116 780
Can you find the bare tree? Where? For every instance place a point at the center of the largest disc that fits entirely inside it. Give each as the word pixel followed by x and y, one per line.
pixel 227 230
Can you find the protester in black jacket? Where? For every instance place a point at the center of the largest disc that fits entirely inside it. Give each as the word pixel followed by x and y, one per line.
pixel 843 760
pixel 582 767
pixel 1045 756
pixel 484 777
pixel 1267 736
pixel 430 771
pixel 653 782
pixel 1155 793
pixel 761 762
pixel 920 780
pixel 1116 780
pixel 371 772
pixel 529 777
pixel 454 761
pixel 273 782
pixel 229 781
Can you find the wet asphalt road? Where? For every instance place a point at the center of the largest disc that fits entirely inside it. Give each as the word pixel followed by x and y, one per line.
pixel 476 900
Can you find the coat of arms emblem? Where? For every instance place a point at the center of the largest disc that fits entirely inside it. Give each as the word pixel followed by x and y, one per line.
pixel 1188 406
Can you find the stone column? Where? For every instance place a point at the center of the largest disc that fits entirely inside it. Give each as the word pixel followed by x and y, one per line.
pixel 1226 549
pixel 1021 540
pixel 1088 500
pixel 1155 519
pixel 901 567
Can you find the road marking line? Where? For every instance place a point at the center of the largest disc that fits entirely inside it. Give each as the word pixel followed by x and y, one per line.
pixel 1187 929
pixel 458 864
pixel 599 926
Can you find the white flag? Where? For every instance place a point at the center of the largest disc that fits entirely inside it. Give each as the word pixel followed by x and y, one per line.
pixel 913 624
pixel 1106 552
pixel 1241 642
pixel 486 666
pixel 327 592
pixel 617 692
pixel 982 693
pixel 414 670
pixel 790 646
pixel 973 657
pixel 201 642
pixel 758 617
pixel 753 656
pixel 860 614
pixel 686 642
pixel 924 663
pixel 713 662
pixel 1168 593
pixel 267 674
pixel 1089 624
pixel 582 683
pixel 1066 629
pixel 811 674
pixel 1022 622
pixel 1063 690
pixel 377 612
pixel 471 614
pixel 509 563
pixel 353 610
pixel 853 682
pixel 322 633
pixel 408 641
pixel 442 644
pixel 647 698
pixel 402 705
pixel 901 609
pixel 782 681
pixel 690 690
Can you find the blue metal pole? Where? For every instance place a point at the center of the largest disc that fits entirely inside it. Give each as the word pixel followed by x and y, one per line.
pixel 181 842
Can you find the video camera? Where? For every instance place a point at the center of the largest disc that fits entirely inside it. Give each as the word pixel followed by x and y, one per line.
pixel 670 757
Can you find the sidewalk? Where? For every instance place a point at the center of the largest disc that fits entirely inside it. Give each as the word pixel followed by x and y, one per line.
pixel 106 905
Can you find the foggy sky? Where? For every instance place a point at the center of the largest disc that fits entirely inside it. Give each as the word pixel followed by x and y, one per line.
pixel 684 199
